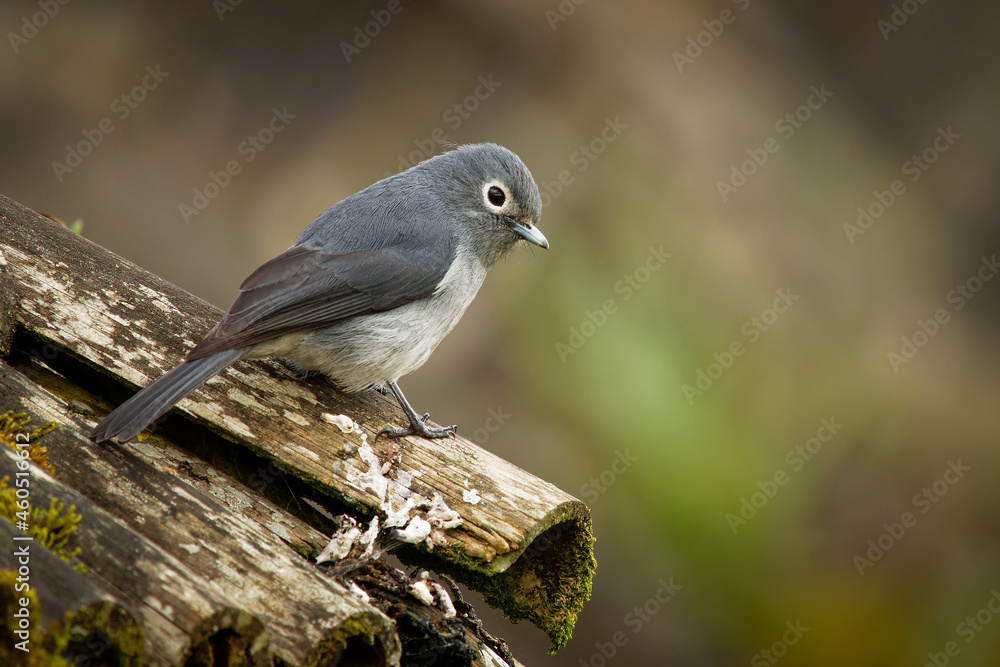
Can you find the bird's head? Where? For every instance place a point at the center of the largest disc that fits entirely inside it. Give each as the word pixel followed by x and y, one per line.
pixel 496 198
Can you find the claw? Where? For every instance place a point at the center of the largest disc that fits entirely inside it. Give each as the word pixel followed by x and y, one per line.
pixel 417 425
pixel 422 430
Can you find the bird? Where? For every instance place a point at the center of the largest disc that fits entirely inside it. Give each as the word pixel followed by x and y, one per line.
pixel 370 287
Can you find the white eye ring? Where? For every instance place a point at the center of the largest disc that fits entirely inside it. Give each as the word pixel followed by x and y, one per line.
pixel 495 196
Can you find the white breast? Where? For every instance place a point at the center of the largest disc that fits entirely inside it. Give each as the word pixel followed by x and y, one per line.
pixel 370 349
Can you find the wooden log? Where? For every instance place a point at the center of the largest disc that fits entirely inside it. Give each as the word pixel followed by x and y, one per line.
pixel 169 599
pixel 200 577
pixel 111 315
pixel 76 618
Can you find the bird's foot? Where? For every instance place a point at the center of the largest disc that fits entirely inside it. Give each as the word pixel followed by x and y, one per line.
pixel 419 428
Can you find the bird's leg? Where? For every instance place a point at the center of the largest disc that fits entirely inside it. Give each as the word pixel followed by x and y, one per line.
pixel 417 425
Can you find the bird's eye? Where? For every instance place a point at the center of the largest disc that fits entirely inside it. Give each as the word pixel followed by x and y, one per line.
pixel 496 196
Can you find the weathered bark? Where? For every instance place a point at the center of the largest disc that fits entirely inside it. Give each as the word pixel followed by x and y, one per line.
pixel 80 618
pixel 90 310
pixel 190 568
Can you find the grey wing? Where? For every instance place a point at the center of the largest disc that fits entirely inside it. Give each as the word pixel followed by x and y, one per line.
pixel 306 288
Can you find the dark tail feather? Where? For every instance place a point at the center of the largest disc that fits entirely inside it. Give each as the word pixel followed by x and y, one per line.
pixel 135 414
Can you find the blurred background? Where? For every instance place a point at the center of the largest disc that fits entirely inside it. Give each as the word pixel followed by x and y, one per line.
pixel 763 346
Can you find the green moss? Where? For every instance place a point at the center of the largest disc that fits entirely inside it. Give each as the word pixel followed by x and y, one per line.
pixel 10 604
pixel 51 528
pixel 14 432
pixel 529 589
pixel 103 633
pixel 355 636
pixel 547 585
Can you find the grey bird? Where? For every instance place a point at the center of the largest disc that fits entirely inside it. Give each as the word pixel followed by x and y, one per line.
pixel 370 287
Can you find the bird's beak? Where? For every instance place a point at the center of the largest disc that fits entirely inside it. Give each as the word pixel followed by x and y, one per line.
pixel 529 233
